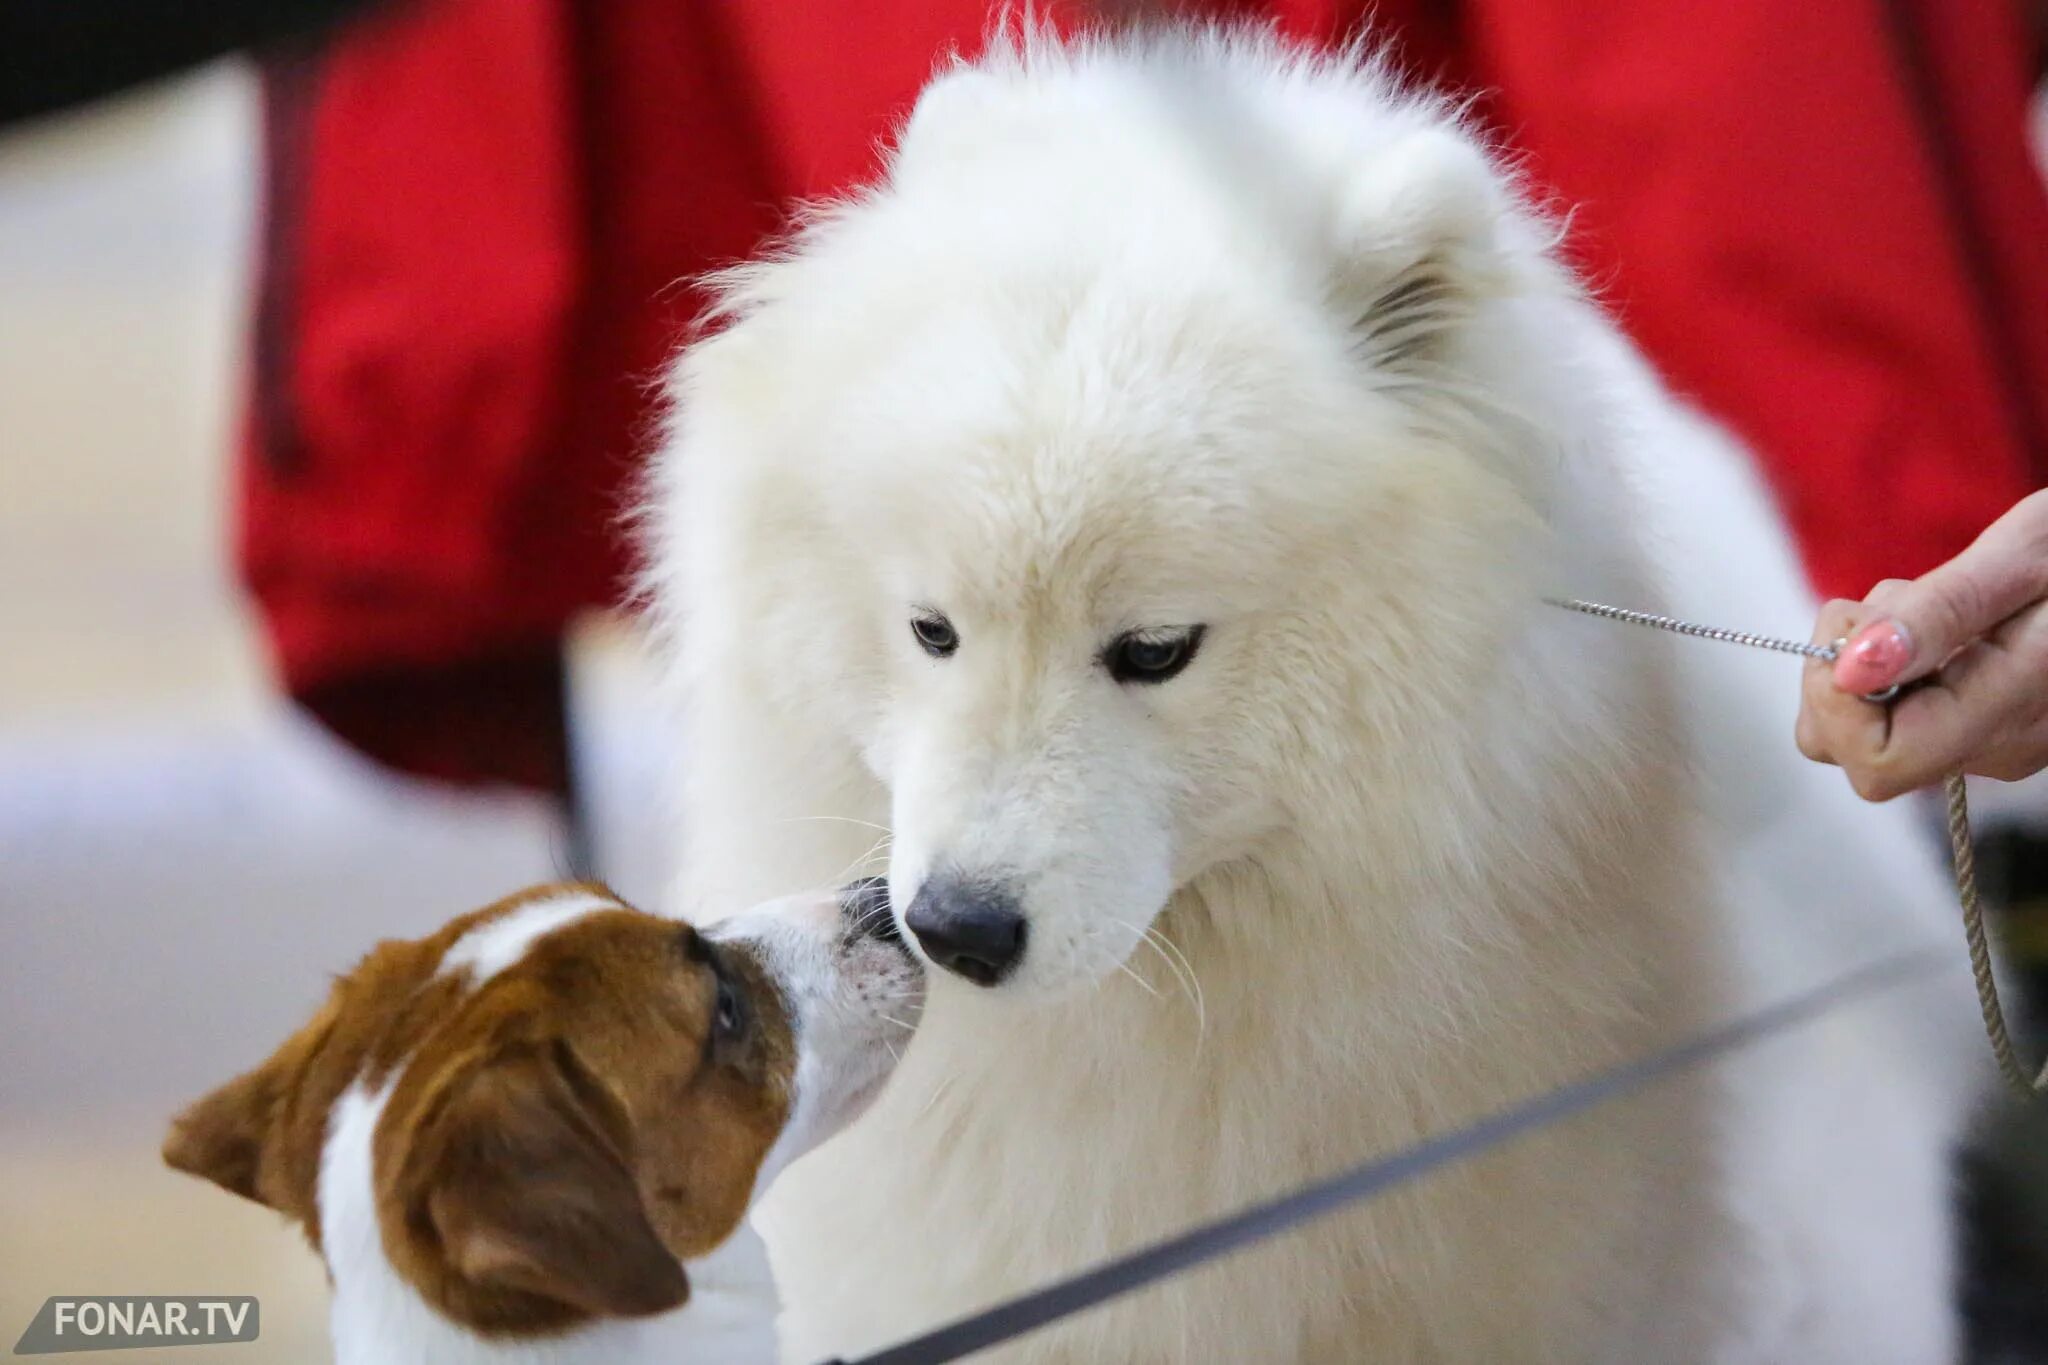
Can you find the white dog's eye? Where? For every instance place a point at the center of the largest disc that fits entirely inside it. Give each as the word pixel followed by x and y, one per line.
pixel 1152 656
pixel 935 634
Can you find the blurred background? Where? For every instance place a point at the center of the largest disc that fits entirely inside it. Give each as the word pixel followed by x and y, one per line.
pixel 184 856
pixel 324 370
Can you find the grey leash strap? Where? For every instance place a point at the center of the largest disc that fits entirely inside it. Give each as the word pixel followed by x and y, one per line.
pixel 1212 1241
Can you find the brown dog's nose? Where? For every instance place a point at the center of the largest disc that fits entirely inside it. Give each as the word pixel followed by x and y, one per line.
pixel 865 904
pixel 973 929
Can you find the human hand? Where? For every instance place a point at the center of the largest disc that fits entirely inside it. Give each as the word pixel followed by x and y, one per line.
pixel 1976 629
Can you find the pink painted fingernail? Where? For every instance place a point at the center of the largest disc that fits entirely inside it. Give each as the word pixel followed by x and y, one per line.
pixel 1874 658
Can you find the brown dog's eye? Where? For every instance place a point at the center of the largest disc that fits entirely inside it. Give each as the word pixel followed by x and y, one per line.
pixel 935 634
pixel 728 1014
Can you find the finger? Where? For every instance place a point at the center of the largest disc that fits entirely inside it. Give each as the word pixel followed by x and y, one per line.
pixel 1865 674
pixel 1840 617
pixel 2003 571
pixel 1833 723
pixel 1848 732
pixel 1934 731
pixel 1806 733
pixel 1966 718
pixel 2017 756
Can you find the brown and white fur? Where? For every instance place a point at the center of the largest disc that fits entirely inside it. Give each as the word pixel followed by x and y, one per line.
pixel 531 1136
pixel 1139 336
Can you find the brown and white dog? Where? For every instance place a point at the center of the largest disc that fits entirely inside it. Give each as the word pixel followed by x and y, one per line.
pixel 527 1137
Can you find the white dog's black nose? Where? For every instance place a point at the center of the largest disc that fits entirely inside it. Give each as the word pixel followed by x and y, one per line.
pixel 971 928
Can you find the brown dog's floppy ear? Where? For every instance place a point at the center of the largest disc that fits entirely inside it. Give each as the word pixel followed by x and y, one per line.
pixel 221 1138
pixel 532 1190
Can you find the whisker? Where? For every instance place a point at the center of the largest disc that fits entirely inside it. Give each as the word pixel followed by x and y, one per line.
pixel 1183 971
pixel 860 864
pixel 1143 984
pixel 941 1088
pixel 836 819
pixel 1157 936
pixel 868 919
pixel 1176 961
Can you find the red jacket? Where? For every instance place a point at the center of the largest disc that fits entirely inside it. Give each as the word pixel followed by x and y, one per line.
pixel 483 216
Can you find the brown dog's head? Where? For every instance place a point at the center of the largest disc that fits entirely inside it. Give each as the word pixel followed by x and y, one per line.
pixel 568 1098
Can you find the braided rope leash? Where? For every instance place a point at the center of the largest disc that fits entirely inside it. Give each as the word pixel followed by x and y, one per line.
pixel 1980 949
pixel 1962 848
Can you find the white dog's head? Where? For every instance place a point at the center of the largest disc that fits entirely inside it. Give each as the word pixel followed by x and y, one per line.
pixel 1083 432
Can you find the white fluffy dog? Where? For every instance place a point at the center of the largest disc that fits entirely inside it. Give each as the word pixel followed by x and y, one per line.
pixel 1139 506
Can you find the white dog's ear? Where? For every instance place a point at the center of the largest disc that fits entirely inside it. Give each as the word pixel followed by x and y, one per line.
pixel 951 114
pixel 1416 245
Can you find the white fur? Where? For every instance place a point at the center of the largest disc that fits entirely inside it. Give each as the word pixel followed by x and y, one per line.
pixel 1110 349
pixel 503 940
pixel 852 1003
pixel 380 1319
